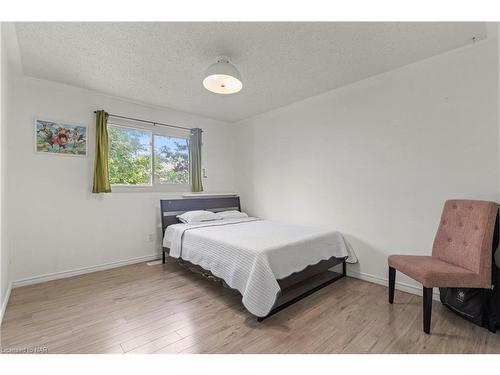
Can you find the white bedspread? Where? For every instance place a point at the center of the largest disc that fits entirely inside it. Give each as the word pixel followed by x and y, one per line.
pixel 250 254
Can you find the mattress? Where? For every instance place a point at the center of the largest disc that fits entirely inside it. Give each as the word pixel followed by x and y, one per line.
pixel 251 254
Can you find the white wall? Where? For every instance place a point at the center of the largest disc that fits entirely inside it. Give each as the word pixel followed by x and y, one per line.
pixel 376 159
pixel 55 223
pixel 5 278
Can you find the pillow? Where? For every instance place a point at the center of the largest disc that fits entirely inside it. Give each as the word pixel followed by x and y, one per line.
pixel 197 216
pixel 233 214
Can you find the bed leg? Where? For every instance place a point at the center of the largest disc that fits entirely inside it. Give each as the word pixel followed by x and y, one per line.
pixel 163 257
pixel 261 319
pixel 344 268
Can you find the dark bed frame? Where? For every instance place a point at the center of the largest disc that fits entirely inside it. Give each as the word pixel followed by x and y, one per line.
pixel 293 288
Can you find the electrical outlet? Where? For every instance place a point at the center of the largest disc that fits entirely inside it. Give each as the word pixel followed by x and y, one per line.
pixel 151 237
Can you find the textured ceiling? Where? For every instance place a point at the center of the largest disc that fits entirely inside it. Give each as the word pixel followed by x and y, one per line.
pixel 163 63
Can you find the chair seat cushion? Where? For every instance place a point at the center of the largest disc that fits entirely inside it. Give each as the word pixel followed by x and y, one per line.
pixel 433 272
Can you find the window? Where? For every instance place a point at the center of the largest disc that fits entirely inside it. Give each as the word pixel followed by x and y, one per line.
pixel 142 157
pixel 171 160
pixel 129 156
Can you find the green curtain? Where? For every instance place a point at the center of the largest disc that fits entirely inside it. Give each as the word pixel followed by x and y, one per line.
pixel 195 160
pixel 101 170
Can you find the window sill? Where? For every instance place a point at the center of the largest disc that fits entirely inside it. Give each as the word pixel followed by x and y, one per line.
pixel 208 195
pixel 180 189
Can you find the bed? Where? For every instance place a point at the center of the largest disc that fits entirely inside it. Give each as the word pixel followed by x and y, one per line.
pixel 271 264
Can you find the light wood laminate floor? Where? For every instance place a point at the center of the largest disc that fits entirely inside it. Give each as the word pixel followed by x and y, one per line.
pixel 166 309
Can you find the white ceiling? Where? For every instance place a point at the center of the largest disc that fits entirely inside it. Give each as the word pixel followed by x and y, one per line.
pixel 163 63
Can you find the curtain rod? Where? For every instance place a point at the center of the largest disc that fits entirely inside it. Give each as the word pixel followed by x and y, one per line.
pixel 148 122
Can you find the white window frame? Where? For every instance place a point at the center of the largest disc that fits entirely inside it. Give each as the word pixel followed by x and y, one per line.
pixel 153 186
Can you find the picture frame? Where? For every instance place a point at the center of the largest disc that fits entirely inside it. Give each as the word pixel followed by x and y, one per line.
pixel 60 138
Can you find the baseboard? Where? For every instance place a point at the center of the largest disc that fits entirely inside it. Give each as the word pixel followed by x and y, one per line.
pixel 5 302
pixel 409 288
pixel 81 271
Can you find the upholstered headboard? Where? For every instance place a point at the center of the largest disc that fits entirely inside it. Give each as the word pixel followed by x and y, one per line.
pixel 170 208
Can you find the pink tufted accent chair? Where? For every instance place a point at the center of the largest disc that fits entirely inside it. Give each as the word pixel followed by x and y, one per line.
pixel 461 254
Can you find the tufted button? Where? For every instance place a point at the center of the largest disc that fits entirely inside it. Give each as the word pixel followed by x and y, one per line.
pixel 454 206
pixel 449 239
pixel 476 227
pixel 460 224
pixel 465 243
pixel 444 222
pixel 470 207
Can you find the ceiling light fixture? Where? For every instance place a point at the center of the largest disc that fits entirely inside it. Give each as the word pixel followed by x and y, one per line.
pixel 223 77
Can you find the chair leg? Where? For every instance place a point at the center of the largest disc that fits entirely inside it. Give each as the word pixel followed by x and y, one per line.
pixel 427 305
pixel 392 284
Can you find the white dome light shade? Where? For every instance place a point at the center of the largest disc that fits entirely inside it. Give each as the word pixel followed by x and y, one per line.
pixel 223 77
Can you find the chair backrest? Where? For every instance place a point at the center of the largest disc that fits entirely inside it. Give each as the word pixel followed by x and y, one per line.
pixel 465 235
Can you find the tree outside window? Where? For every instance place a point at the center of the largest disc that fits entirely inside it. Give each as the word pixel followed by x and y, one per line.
pixel 135 153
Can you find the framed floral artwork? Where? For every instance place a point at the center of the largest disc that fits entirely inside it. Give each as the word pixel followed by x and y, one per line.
pixel 60 138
